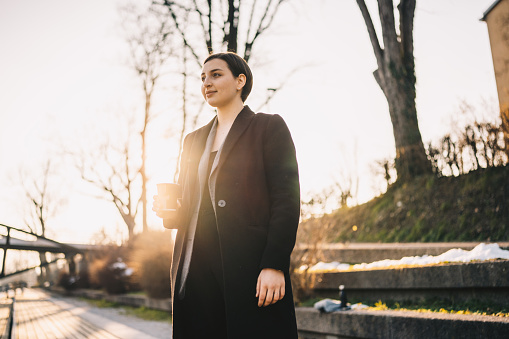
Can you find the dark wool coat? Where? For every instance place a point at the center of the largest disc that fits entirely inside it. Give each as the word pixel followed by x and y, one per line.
pixel 257 203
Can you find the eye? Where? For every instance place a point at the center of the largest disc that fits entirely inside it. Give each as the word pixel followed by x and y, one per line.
pixel 202 79
pixel 215 75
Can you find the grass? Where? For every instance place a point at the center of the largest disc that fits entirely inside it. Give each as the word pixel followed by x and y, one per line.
pixel 147 313
pixel 101 303
pixel 470 207
pixel 475 307
pixel 140 312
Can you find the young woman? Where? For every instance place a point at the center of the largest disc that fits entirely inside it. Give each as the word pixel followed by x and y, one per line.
pixel 238 218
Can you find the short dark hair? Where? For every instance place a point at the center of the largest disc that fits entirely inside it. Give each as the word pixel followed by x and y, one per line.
pixel 237 66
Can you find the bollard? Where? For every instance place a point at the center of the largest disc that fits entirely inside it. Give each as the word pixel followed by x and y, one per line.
pixel 342 297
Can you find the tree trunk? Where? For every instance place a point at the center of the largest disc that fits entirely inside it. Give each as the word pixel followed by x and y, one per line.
pixel 143 170
pixel 504 115
pixel 44 268
pixel 411 159
pixel 396 77
pixel 231 27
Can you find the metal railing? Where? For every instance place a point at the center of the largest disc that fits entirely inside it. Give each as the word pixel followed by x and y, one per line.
pixel 66 248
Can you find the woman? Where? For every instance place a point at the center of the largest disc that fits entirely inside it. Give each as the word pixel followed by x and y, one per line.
pixel 238 218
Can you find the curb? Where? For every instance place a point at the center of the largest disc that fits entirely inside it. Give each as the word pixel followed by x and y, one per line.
pixel 397 324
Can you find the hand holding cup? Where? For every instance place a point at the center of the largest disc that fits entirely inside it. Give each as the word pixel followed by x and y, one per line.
pixel 166 202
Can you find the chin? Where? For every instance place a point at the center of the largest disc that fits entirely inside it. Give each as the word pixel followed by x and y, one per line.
pixel 213 103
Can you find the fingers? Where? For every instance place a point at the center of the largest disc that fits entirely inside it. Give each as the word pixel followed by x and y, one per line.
pixel 161 212
pixel 276 296
pixel 262 296
pixel 269 296
pixel 270 287
pixel 156 206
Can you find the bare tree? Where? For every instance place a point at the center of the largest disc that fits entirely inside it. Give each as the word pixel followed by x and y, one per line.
pixel 113 171
pixel 148 33
pixel 42 201
pixel 219 22
pixel 396 77
pixel 187 117
pixel 222 25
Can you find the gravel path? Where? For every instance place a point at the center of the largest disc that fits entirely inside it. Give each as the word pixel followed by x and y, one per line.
pixel 157 329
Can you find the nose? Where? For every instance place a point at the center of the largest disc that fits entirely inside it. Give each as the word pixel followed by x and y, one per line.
pixel 206 82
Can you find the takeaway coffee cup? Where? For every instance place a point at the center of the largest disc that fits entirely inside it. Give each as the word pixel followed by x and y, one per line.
pixel 169 194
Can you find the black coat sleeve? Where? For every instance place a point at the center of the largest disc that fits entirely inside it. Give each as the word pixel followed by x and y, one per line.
pixel 175 223
pixel 283 183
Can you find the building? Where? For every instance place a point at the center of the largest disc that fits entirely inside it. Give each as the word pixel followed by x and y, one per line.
pixel 497 20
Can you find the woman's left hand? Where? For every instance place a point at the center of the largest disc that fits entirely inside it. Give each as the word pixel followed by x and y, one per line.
pixel 270 287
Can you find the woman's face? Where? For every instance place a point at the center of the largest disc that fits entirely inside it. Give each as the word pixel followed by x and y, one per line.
pixel 219 87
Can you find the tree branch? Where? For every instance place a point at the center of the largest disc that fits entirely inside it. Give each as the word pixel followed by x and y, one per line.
pixel 390 38
pixel 168 4
pixel 207 34
pixel 273 91
pixel 379 53
pixel 261 26
pixel 406 14
pixel 231 27
pixel 250 23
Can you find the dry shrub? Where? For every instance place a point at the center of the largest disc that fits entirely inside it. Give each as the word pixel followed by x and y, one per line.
pixel 107 271
pixel 150 257
pixel 66 281
pixel 312 234
pixel 474 144
pixel 95 266
pixel 309 250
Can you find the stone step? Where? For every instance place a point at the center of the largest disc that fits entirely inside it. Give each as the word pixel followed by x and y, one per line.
pixel 487 281
pixel 356 253
pixel 397 324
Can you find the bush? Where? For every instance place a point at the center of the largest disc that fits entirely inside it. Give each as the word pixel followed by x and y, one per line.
pixel 110 272
pixel 150 257
pixel 67 281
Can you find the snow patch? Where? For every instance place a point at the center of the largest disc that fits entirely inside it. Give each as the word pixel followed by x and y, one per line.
pixel 481 252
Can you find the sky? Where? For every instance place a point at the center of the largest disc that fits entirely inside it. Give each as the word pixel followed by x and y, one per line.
pixel 65 81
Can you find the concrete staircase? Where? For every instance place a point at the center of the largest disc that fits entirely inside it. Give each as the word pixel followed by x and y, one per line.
pixel 397 324
pixel 486 281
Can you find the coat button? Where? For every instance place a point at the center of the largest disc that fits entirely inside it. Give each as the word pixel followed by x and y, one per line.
pixel 221 203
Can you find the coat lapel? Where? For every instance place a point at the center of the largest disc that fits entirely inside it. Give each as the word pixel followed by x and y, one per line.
pixel 197 148
pixel 239 126
pixel 191 194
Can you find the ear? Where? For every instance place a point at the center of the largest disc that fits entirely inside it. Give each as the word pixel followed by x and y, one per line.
pixel 241 81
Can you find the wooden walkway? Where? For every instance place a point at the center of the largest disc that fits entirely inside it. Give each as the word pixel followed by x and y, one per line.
pixel 5 308
pixel 36 317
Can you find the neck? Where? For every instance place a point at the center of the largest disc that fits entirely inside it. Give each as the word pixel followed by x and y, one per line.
pixel 226 115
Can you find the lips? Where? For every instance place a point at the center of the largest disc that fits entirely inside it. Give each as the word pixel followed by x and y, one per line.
pixel 207 94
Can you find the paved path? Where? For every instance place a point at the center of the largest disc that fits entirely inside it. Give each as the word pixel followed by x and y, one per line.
pixel 39 316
